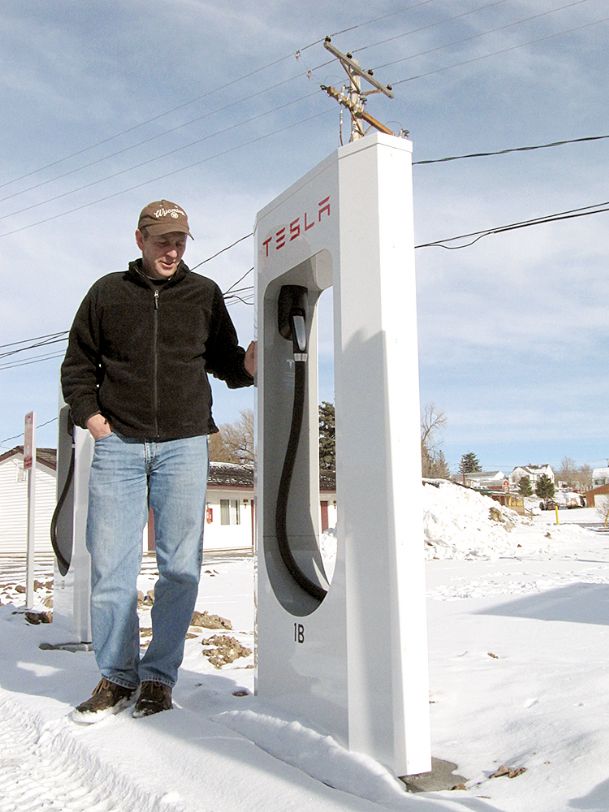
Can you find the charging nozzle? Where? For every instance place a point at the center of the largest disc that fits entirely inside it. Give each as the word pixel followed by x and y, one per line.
pixel 291 317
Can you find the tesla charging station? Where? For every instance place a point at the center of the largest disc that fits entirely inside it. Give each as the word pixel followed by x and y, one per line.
pixel 72 590
pixel 349 656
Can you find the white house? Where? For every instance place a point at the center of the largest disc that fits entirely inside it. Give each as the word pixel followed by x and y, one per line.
pixel 14 505
pixel 534 472
pixel 229 508
pixel 230 512
pixel 484 479
pixel 600 476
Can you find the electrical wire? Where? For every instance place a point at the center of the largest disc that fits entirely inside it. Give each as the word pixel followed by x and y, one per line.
pixel 35 338
pixel 237 125
pixel 33 346
pixel 481 34
pixel 161 115
pixel 155 137
pixel 512 149
pixel 165 175
pixel 382 17
pixel 222 250
pixel 242 100
pixel 36 359
pixel 425 27
pixel 495 53
pixel 231 83
pixel 241 278
pixel 569 214
pixel 178 149
pixel 18 436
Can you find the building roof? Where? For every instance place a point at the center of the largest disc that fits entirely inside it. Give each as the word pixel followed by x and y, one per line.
pixel 229 474
pixel 221 474
pixel 44 456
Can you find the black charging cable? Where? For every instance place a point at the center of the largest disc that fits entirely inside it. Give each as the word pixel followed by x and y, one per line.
pixel 292 325
pixel 63 563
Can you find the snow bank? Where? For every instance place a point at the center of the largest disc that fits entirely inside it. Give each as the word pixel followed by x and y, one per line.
pixel 461 523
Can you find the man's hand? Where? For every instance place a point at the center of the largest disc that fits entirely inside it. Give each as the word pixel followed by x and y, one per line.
pixel 98 426
pixel 249 362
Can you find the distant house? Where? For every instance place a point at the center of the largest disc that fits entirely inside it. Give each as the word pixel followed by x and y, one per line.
pixel 598 497
pixel 493 480
pixel 600 476
pixel 534 472
pixel 13 500
pixel 229 507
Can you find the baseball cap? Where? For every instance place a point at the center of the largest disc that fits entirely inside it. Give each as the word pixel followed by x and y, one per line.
pixel 163 217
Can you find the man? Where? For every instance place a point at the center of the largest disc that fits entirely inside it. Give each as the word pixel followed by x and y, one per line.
pixel 135 375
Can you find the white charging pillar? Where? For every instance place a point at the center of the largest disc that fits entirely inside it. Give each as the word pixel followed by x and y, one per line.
pixel 355 663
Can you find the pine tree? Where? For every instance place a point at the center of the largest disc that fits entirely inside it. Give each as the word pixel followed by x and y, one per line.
pixel 469 463
pixel 524 486
pixel 545 487
pixel 327 436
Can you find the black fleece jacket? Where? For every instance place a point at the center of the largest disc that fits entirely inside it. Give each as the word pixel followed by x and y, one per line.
pixel 139 354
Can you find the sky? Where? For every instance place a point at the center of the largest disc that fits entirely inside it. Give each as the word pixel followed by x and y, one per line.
pixel 109 105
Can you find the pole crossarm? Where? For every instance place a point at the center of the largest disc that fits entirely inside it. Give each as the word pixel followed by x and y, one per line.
pixel 353 97
pixel 352 66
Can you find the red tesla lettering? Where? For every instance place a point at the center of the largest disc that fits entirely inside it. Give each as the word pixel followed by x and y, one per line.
pixel 324 207
pixel 280 239
pixel 295 229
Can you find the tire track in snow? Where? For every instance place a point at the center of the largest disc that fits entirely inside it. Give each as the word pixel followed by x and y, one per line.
pixel 44 767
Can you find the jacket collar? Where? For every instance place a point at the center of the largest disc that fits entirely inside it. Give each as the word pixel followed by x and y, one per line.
pixel 136 272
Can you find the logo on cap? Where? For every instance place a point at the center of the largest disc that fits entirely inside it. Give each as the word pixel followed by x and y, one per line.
pixel 163 216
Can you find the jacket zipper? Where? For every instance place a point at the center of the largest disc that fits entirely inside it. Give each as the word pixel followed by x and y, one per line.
pixel 155 357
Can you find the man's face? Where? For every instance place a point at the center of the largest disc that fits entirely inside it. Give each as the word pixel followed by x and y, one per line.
pixel 161 255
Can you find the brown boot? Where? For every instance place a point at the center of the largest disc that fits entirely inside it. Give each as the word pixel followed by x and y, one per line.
pixel 154 697
pixel 107 699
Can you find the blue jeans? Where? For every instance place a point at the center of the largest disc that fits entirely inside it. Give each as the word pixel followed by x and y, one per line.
pixel 126 476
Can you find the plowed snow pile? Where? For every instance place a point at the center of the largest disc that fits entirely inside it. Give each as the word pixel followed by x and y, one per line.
pixel 461 523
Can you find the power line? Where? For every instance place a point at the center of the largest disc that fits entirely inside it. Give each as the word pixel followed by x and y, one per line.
pixel 34 346
pixel 425 27
pixel 484 33
pixel 583 211
pixel 205 95
pixel 171 152
pixel 241 278
pixel 222 250
pixel 165 175
pixel 160 115
pixel 36 359
pixel 382 17
pixel 155 137
pixel 495 53
pixel 35 338
pixel 512 149
pixel 123 171
pixel 18 436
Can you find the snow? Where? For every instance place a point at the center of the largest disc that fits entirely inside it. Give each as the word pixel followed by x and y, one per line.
pixel 518 613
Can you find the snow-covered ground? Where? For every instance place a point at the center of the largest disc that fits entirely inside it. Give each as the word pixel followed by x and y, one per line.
pixel 519 671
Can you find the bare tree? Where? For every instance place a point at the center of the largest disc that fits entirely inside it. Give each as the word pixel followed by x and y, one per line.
pixel 433 462
pixel 574 476
pixel 567 472
pixel 235 441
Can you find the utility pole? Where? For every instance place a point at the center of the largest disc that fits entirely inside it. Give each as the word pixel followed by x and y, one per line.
pixel 353 97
